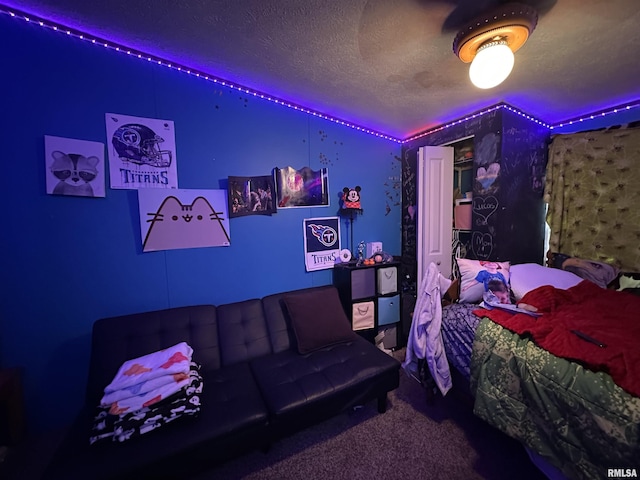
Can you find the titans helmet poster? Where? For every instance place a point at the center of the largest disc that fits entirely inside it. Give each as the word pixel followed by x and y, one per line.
pixel 141 151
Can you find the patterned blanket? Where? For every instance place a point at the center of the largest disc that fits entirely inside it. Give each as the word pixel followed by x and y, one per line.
pixel 127 425
pixel 578 420
pixel 141 370
pixel 143 381
pixel 458 330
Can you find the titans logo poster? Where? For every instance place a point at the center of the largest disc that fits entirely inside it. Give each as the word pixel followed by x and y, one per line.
pixel 321 242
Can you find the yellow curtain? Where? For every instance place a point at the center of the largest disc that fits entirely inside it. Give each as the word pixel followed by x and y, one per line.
pixel 592 188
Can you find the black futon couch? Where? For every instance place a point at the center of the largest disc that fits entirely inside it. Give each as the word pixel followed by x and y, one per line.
pixel 270 367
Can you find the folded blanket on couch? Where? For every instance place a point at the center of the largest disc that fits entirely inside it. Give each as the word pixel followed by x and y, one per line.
pixel 155 384
pixel 175 359
pixel 130 402
pixel 124 426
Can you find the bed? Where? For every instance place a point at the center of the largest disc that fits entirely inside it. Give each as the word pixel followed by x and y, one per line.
pixel 577 412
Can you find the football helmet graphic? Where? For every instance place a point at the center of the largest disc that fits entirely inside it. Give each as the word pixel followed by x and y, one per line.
pixel 139 144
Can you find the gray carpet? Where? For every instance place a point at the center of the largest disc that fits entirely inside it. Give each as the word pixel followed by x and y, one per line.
pixel 412 440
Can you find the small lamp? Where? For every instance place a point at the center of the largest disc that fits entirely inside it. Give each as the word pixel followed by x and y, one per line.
pixel 489 42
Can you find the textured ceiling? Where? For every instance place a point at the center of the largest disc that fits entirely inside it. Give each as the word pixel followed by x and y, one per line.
pixel 387 65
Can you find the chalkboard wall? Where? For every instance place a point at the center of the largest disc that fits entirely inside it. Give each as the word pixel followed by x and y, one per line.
pixel 510 156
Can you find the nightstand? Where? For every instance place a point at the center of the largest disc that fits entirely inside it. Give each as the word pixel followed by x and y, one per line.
pixel 370 297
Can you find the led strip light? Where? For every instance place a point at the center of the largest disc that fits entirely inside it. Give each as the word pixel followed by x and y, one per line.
pixel 603 113
pixel 181 68
pixel 476 115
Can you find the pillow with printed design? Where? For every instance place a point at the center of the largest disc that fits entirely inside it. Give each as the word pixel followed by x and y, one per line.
pixel 480 276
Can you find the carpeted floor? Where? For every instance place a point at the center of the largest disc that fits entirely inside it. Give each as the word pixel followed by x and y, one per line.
pixel 412 440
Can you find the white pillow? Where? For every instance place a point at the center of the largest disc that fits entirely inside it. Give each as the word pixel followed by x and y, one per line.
pixel 471 289
pixel 527 276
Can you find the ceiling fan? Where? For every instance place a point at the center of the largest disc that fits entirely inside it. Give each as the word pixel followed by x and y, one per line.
pixel 466 11
pixel 490 32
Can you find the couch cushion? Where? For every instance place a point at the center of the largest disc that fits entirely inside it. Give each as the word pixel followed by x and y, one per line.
pixel 243 331
pixel 290 381
pixel 318 319
pixel 233 417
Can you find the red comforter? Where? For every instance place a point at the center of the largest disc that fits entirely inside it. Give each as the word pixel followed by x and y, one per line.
pixel 610 317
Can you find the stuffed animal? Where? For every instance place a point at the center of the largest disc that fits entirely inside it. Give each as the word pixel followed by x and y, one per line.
pixel 351 197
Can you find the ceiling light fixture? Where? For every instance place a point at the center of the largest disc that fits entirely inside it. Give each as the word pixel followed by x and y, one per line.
pixel 489 42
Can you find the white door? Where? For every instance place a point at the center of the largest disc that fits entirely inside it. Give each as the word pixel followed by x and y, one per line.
pixel 435 209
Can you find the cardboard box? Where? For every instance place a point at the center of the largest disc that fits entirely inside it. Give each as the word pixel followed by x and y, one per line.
pixel 462 214
pixel 373 248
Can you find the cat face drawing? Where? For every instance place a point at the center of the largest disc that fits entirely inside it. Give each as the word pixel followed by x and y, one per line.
pixel 175 226
pixel 75 173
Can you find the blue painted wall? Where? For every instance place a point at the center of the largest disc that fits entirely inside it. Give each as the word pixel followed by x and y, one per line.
pixel 67 261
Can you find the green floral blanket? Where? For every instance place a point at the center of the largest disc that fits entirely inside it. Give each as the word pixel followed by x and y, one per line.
pixel 580 421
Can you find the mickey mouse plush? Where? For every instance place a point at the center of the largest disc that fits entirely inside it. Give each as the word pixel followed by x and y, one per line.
pixel 351 197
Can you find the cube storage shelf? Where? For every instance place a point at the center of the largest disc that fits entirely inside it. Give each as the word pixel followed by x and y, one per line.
pixel 370 296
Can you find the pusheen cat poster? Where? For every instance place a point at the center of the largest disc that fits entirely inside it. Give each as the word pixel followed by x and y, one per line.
pixel 74 167
pixel 142 152
pixel 177 219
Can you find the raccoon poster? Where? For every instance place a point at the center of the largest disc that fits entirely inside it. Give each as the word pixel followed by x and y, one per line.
pixel 142 152
pixel 177 219
pixel 74 167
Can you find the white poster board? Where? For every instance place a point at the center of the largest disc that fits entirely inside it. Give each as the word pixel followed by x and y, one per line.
pixel 321 242
pixel 74 167
pixel 142 152
pixel 174 219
